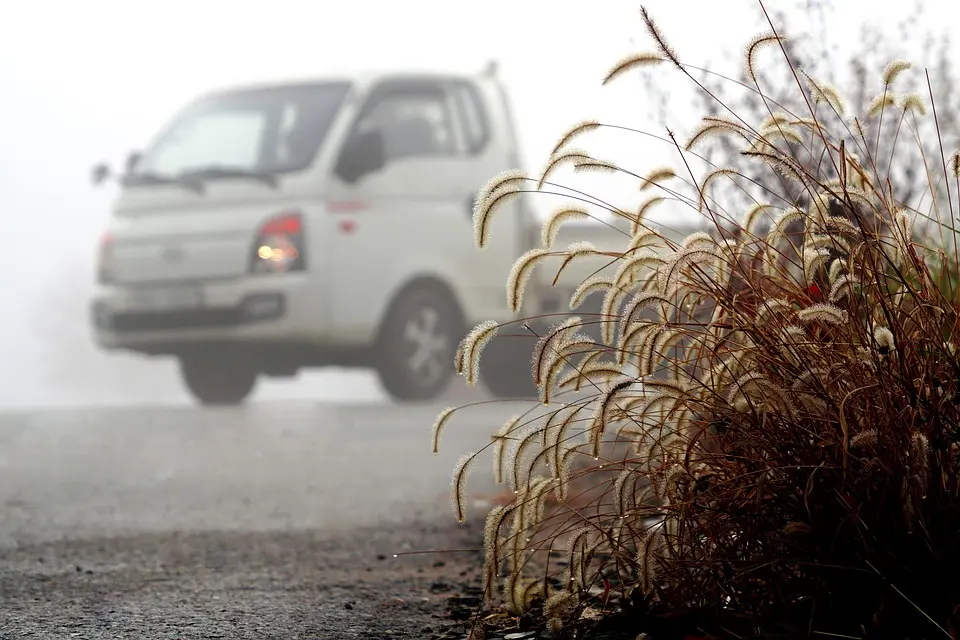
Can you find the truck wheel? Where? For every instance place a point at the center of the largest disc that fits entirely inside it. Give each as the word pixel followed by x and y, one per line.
pixel 417 344
pixel 218 383
pixel 505 364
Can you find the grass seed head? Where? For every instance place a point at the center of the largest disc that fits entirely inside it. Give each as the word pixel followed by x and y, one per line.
pixel 777 389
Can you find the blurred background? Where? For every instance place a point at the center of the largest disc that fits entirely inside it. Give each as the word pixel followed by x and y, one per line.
pixel 88 82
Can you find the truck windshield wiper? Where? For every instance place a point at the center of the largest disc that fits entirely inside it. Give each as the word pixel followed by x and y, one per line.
pixel 267 178
pixel 146 178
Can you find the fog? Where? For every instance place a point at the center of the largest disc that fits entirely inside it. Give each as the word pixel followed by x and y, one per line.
pixel 85 82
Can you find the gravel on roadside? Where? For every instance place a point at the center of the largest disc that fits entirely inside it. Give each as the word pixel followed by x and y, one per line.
pixel 232 585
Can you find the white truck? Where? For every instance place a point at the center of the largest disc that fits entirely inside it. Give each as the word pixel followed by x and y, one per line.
pixel 286 225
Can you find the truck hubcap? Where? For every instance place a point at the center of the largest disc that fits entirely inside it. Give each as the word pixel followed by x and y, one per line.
pixel 429 346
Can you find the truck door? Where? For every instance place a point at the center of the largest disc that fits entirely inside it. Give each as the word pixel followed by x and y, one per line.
pixel 409 218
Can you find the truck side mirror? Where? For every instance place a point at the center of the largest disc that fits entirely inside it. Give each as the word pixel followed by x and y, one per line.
pixel 100 173
pixel 362 154
pixel 132 159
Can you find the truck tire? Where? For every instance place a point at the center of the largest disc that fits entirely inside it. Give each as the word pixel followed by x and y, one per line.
pixel 505 368
pixel 216 382
pixel 417 344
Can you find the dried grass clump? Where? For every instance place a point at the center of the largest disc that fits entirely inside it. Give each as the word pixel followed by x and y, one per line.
pixel 768 442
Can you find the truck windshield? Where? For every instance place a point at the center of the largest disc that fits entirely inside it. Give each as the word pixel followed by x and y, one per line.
pixel 249 133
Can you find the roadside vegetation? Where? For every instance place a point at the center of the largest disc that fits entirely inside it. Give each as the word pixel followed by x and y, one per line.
pixel 765 439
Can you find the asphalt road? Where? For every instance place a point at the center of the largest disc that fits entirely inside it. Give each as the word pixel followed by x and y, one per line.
pixel 275 520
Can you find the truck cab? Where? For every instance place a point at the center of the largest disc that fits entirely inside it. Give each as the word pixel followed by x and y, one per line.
pixel 279 226
pixel 273 227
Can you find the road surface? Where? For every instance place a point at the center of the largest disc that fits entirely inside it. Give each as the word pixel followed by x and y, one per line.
pixel 275 520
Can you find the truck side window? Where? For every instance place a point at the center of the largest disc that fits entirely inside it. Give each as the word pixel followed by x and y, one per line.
pixel 476 130
pixel 414 123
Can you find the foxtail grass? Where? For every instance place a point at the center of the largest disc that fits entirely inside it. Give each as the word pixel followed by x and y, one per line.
pixel 765 439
